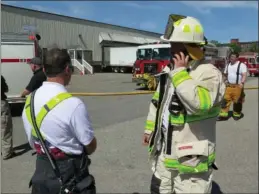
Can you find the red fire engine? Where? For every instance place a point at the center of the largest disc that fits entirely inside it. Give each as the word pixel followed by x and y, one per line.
pixel 152 58
pixel 251 60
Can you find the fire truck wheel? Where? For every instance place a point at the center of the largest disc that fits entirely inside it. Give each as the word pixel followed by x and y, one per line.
pixel 116 70
pixel 122 70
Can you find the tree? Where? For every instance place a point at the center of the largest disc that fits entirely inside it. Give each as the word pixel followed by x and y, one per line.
pixel 254 47
pixel 217 43
pixel 235 47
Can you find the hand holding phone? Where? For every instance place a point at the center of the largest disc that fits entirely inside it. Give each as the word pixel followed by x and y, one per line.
pixel 180 60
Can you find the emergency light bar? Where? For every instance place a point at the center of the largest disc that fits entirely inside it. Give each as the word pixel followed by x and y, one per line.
pixel 155 43
pixel 31 37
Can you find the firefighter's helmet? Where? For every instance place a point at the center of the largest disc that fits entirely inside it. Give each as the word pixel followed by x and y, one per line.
pixel 183 29
pixel 186 30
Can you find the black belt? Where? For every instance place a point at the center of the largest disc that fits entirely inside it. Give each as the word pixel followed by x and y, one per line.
pixel 64 157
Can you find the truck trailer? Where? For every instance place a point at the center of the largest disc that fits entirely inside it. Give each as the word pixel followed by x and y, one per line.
pixel 16 51
pixel 122 59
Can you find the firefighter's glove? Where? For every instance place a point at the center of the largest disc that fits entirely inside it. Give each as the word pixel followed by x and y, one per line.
pixel 175 106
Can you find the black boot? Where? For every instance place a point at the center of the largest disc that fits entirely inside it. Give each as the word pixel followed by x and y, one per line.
pixel 220 118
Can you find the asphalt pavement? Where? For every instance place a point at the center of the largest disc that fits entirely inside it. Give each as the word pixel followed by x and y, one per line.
pixel 120 163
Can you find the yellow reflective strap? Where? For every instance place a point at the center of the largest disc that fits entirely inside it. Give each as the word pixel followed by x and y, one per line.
pixel 45 109
pixel 150 125
pixel 213 112
pixel 235 114
pixel 50 105
pixel 179 77
pixel 28 109
pixel 204 98
pixel 156 96
pixel 28 114
pixel 177 119
pixel 201 167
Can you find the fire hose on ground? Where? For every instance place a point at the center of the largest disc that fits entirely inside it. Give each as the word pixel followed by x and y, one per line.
pixel 132 93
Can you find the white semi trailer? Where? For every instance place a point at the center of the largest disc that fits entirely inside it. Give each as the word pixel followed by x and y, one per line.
pixel 16 51
pixel 122 59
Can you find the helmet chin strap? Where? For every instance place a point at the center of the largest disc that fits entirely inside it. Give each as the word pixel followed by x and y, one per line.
pixel 193 64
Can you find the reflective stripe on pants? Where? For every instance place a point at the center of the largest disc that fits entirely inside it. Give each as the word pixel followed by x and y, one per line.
pixel 164 181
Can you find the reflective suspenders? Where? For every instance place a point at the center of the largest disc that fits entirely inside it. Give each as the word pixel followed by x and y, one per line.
pixel 238 70
pixel 44 110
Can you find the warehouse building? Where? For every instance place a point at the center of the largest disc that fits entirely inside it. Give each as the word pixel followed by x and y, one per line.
pixel 84 39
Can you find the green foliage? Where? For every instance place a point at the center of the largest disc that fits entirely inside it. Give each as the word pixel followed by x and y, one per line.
pixel 254 47
pixel 217 43
pixel 235 47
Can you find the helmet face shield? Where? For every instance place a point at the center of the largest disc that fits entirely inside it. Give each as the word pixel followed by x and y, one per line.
pixel 170 24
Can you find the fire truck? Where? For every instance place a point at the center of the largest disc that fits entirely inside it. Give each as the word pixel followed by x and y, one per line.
pixel 16 51
pixel 153 57
pixel 251 60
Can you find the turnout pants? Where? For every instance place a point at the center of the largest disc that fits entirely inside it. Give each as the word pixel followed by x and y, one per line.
pixel 6 129
pixel 164 181
pixel 44 180
pixel 234 93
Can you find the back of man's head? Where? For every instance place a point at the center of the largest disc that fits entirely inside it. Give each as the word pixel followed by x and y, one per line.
pixel 56 62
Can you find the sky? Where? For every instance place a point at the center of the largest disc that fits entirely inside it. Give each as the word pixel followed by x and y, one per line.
pixel 222 20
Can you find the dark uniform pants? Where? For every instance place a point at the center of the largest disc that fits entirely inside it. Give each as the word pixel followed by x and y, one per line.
pixel 234 93
pixel 44 180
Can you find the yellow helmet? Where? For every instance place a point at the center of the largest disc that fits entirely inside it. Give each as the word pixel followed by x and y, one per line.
pixel 183 29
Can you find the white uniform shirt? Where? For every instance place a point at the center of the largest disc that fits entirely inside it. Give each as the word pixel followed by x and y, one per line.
pixel 232 72
pixel 67 126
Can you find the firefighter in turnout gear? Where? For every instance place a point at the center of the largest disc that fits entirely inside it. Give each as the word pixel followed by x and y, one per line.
pixel 236 73
pixel 181 123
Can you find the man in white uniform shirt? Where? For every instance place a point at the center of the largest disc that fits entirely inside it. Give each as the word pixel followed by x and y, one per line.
pixel 236 74
pixel 63 122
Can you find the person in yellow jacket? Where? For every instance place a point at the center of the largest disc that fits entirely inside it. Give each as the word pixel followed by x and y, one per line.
pixel 181 122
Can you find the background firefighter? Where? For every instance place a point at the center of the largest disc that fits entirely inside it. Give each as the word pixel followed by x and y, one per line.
pixel 181 123
pixel 236 74
pixel 6 124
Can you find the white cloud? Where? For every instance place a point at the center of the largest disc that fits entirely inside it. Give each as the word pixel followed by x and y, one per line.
pixel 207 6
